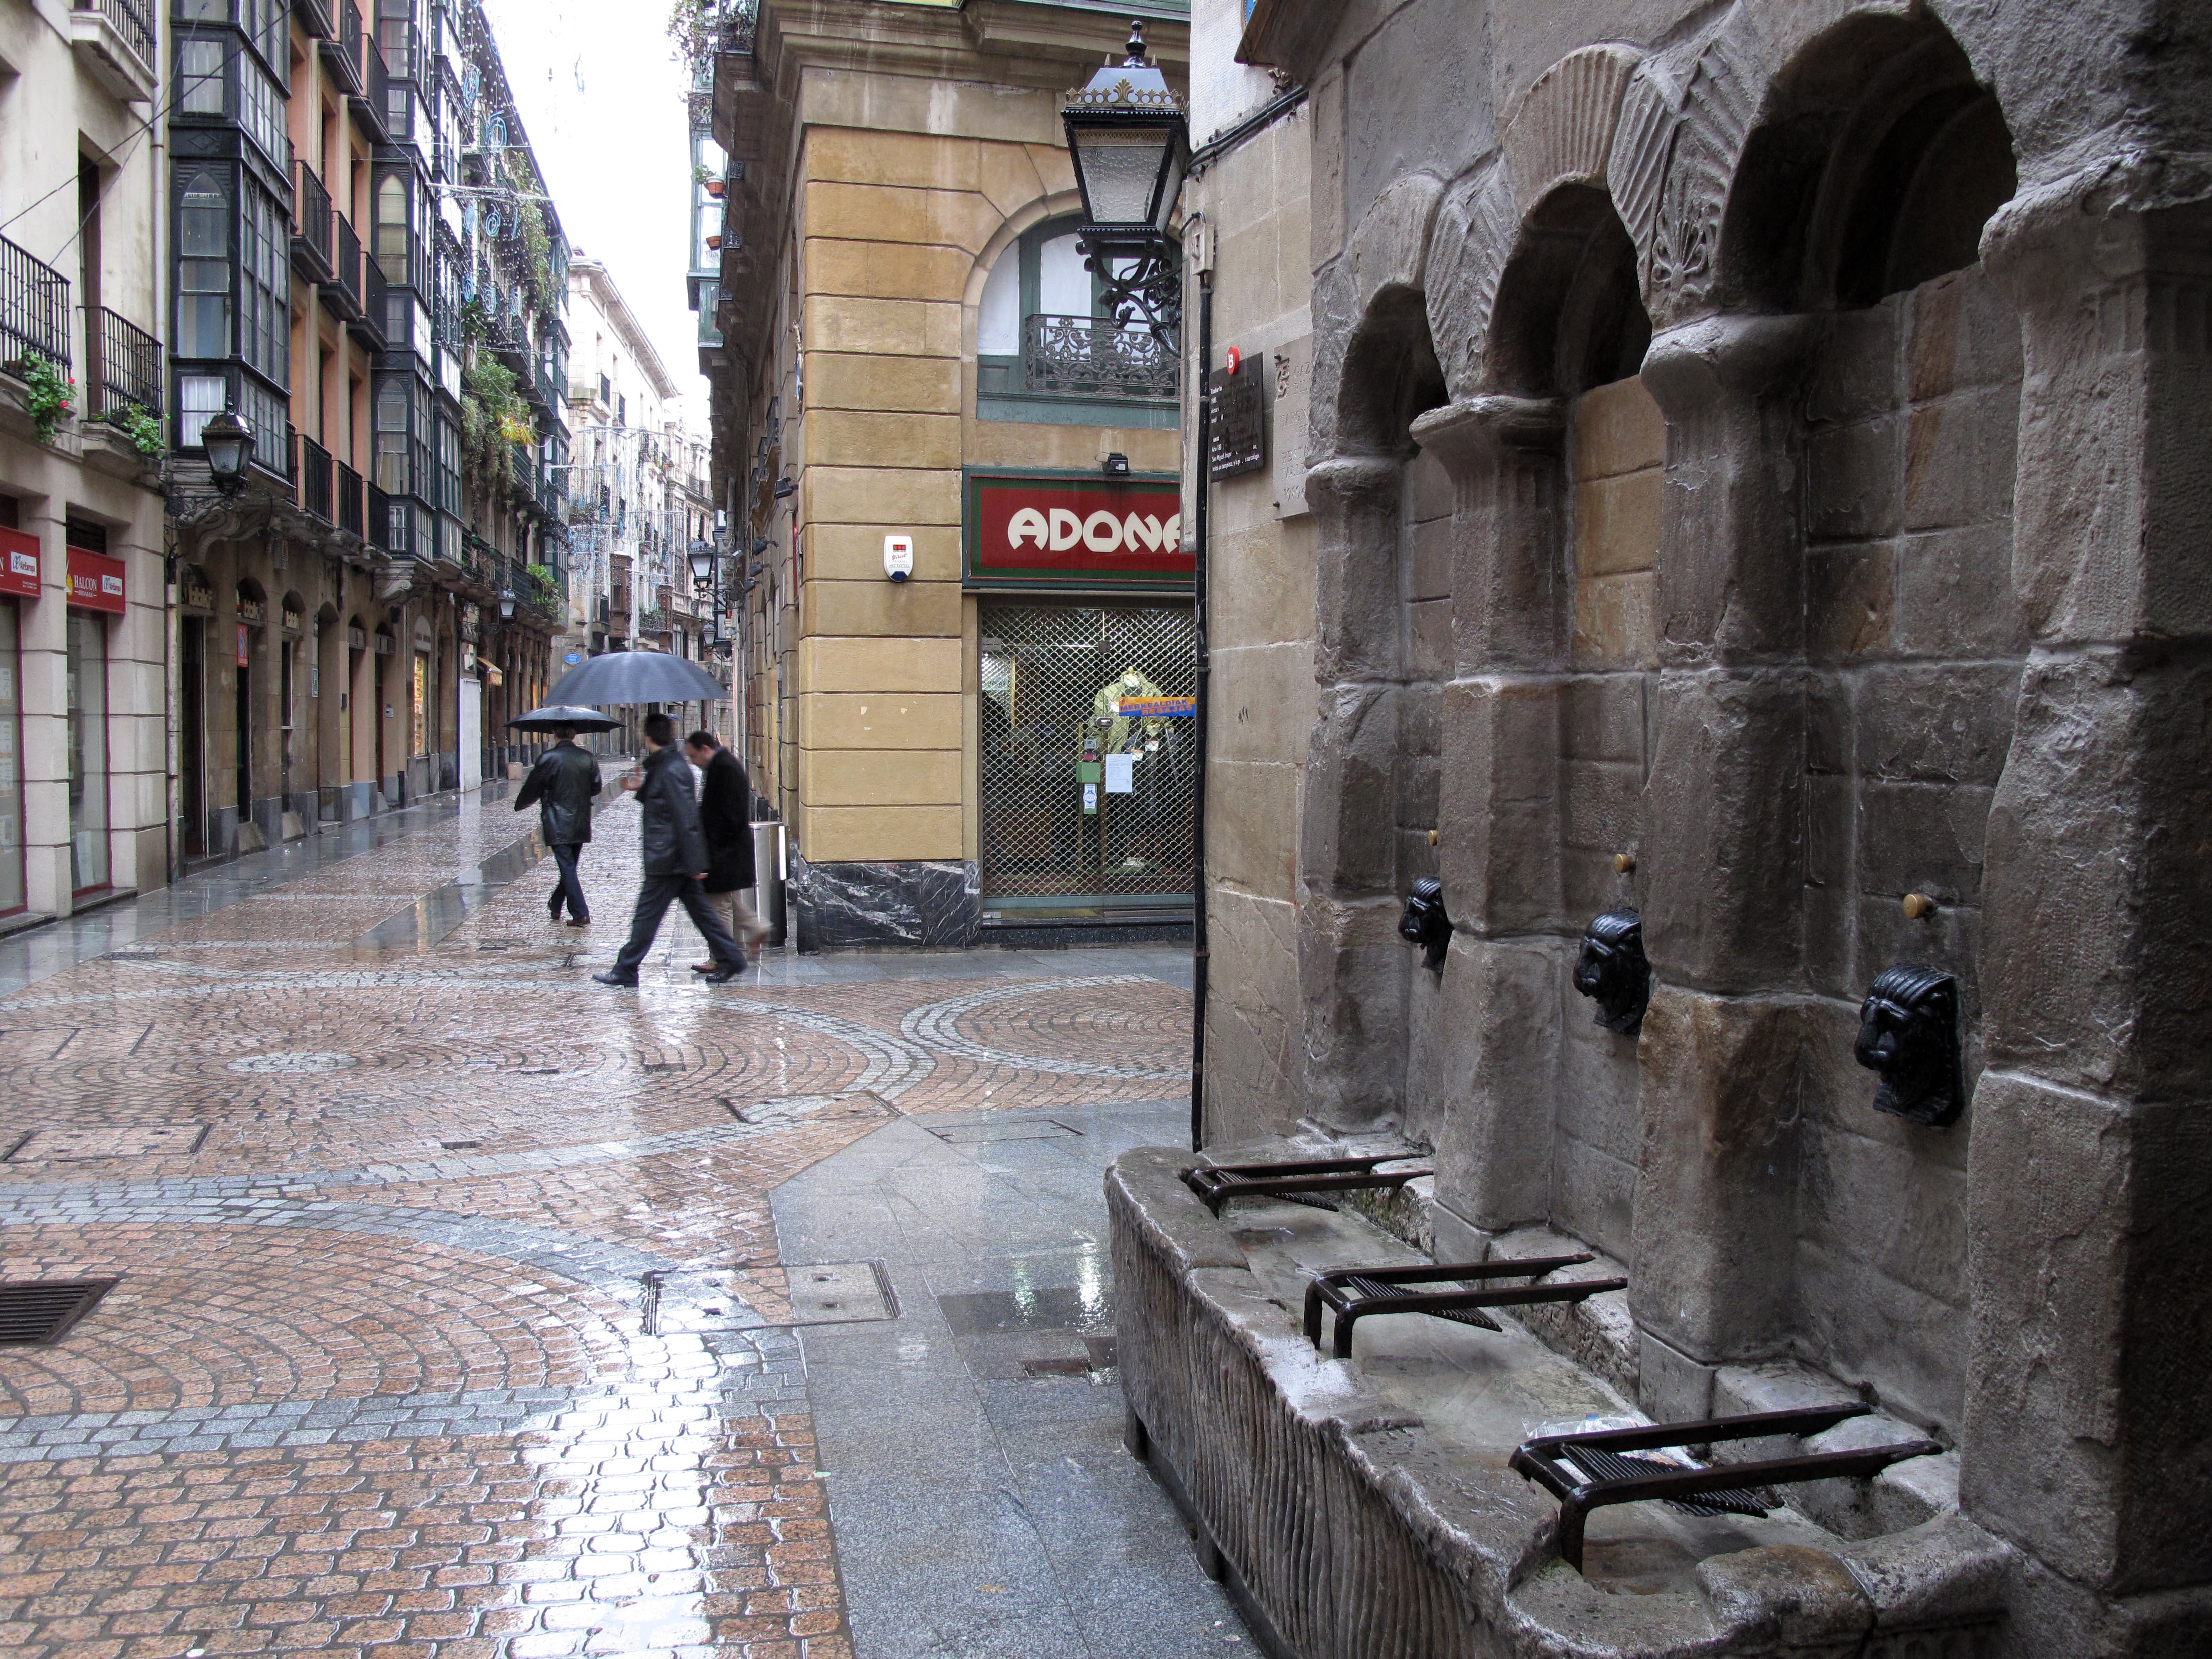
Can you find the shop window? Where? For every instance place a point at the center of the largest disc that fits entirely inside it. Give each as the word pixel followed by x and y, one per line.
pixel 88 750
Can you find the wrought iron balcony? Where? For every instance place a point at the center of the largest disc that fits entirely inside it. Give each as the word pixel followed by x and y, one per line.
pixel 311 225
pixel 378 522
pixel 34 308
pixel 349 507
pixel 368 328
pixel 1094 357
pixel 342 296
pixel 115 39
pixel 312 468
pixel 341 53
pixel 126 366
pixel 372 107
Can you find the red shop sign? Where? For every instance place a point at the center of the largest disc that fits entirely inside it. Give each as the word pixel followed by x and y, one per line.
pixel 96 581
pixel 245 647
pixel 1079 530
pixel 19 563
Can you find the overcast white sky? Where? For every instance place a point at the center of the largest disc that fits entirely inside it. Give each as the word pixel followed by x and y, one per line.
pixel 603 101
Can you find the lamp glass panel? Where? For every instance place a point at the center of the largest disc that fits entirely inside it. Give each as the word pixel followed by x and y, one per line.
pixel 1120 167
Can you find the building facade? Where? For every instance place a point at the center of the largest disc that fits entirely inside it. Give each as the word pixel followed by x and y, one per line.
pixel 1730 486
pixel 951 478
pixel 365 268
pixel 84 650
pixel 640 498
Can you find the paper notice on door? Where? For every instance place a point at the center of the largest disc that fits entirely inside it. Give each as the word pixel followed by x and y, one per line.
pixel 1120 774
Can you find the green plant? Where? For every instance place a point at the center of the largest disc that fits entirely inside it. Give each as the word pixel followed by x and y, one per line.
pixel 53 394
pixel 139 424
pixel 699 28
pixel 537 253
pixel 493 414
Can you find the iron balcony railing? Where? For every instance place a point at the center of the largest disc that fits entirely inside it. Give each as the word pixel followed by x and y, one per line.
pixel 311 224
pixel 378 527
pixel 126 366
pixel 371 324
pixel 132 19
pixel 317 16
pixel 1097 357
pixel 311 468
pixel 34 309
pixel 342 52
pixel 348 267
pixel 348 491
pixel 372 108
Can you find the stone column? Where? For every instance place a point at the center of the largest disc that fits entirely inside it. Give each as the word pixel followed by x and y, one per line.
pixel 2089 1261
pixel 1499 825
pixel 1722 861
pixel 1351 965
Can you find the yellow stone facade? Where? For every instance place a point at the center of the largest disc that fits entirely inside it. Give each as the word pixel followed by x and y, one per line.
pixel 902 150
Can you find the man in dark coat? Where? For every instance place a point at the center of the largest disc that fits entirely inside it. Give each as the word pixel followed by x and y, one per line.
pixel 561 786
pixel 725 814
pixel 675 855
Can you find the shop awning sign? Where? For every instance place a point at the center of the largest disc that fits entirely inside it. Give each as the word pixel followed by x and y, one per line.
pixel 1038 530
pixel 96 581
pixel 19 563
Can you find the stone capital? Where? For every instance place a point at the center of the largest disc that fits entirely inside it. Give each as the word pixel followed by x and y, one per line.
pixel 1703 367
pixel 1470 434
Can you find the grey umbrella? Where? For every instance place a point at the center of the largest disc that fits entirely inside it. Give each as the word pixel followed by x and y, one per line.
pixel 627 677
pixel 554 715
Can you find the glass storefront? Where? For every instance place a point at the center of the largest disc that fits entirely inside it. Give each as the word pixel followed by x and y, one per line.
pixel 11 759
pixel 88 750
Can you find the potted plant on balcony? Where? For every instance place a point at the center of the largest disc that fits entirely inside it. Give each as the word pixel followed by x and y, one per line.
pixel 139 424
pixel 53 394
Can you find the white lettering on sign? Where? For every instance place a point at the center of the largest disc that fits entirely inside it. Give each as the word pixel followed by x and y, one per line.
pixel 1101 533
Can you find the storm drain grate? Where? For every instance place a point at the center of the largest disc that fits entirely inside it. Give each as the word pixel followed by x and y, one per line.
pixel 37 1314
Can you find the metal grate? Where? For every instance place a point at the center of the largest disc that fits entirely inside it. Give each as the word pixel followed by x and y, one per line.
pixel 37 1314
pixel 1602 1465
pixel 1047 724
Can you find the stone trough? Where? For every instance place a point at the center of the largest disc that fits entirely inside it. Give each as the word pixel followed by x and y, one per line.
pixel 1363 1509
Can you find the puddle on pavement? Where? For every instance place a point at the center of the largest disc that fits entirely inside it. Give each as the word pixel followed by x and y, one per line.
pixel 987 1312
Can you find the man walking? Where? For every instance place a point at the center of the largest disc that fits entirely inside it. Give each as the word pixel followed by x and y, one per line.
pixel 725 815
pixel 675 856
pixel 562 786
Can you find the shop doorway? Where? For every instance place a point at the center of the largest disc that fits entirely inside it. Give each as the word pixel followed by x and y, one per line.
pixel 88 750
pixel 192 735
pixel 1087 762
pixel 12 895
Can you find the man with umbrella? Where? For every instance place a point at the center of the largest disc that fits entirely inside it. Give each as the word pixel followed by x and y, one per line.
pixel 676 861
pixel 562 786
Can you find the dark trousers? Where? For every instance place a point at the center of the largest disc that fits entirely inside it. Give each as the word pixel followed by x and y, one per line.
pixel 653 899
pixel 569 888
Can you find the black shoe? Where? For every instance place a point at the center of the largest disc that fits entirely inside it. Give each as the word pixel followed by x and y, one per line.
pixel 723 975
pixel 616 980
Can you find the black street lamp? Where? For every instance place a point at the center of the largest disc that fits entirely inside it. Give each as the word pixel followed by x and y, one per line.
pixel 702 565
pixel 228 442
pixel 1130 139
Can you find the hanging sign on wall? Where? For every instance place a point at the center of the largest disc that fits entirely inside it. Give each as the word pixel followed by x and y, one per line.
pixel 96 581
pixel 19 563
pixel 1040 530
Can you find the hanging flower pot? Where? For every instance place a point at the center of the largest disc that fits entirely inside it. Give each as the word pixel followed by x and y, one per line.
pixel 715 187
pixel 713 244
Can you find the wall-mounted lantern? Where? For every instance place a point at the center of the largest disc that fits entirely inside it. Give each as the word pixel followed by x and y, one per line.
pixel 1909 1033
pixel 1425 923
pixel 1129 138
pixel 1614 972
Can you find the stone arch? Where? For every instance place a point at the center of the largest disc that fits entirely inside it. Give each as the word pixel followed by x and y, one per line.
pixel 1560 134
pixel 1051 204
pixel 1778 119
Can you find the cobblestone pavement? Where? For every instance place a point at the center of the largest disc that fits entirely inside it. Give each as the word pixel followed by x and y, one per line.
pixel 391 1192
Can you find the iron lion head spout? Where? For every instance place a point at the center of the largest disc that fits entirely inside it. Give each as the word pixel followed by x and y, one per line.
pixel 1614 971
pixel 1424 922
pixel 1909 1033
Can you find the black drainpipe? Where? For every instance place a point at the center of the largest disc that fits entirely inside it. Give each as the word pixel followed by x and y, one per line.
pixel 1197 941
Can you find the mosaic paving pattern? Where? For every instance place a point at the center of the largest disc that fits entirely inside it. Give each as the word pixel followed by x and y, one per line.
pixel 382 1175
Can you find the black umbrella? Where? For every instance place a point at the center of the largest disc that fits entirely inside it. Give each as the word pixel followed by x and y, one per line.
pixel 559 714
pixel 628 677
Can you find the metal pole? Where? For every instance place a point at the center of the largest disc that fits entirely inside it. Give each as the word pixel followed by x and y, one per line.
pixel 1198 938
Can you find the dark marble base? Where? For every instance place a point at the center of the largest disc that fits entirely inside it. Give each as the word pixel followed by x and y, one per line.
pixel 929 903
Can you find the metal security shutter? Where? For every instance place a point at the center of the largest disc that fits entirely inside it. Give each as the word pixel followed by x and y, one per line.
pixel 1050 672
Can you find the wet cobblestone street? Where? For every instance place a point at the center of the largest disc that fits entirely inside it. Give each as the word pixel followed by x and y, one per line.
pixel 454 1313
